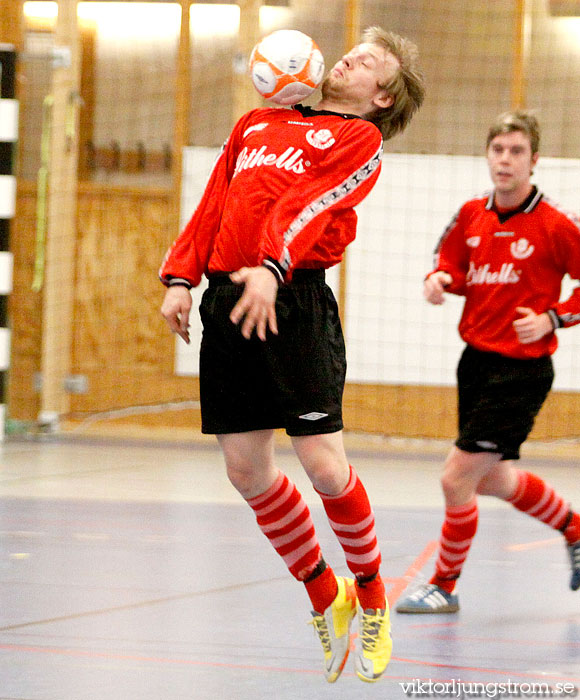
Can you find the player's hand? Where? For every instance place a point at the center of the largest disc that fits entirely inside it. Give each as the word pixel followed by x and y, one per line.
pixel 175 310
pixel 257 303
pixel 532 326
pixel 434 287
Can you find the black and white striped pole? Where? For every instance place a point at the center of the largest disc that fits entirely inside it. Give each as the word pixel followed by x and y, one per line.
pixel 8 139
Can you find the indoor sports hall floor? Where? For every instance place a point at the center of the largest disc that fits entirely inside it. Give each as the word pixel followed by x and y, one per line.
pixel 133 571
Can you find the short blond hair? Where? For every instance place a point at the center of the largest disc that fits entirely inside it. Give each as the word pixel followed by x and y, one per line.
pixel 407 87
pixel 516 120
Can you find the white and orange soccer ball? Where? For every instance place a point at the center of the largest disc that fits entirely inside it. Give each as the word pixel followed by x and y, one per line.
pixel 286 66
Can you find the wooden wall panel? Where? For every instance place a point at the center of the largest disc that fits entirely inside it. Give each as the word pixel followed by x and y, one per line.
pixel 11 23
pixel 411 411
pixel 121 341
pixel 25 311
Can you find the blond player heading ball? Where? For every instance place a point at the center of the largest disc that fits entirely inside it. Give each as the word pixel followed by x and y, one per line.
pixel 277 211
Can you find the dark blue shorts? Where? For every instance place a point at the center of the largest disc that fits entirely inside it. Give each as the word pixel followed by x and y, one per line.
pixel 499 399
pixel 294 380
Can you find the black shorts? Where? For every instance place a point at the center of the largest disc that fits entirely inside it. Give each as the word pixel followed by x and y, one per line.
pixel 294 380
pixel 499 399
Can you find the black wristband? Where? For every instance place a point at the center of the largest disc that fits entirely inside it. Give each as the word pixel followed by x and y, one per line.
pixel 179 282
pixel 275 269
pixel 556 320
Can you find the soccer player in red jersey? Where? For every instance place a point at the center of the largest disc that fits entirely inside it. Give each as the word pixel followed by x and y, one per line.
pixel 276 212
pixel 506 253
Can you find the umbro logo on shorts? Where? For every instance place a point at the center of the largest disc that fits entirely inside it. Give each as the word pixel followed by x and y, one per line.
pixel 313 415
pixel 486 444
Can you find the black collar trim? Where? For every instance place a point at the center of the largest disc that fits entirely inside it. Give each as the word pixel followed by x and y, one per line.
pixel 526 207
pixel 308 112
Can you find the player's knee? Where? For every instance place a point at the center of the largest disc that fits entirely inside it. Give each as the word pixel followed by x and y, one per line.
pixel 242 476
pixel 449 485
pixel 456 483
pixel 324 461
pixel 501 481
pixel 329 478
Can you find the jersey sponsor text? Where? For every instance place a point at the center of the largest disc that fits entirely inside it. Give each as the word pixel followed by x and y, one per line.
pixel 483 275
pixel 289 160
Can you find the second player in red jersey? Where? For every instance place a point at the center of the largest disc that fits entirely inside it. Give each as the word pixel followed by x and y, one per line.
pixel 504 260
pixel 507 254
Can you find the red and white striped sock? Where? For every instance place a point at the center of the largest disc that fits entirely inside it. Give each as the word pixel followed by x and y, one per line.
pixel 351 517
pixel 284 518
pixel 457 533
pixel 538 499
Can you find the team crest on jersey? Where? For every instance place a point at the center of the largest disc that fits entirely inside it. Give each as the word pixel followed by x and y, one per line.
pixel 473 241
pixel 322 138
pixel 521 249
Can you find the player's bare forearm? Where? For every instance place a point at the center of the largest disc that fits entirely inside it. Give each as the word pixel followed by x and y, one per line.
pixel 256 307
pixel 175 310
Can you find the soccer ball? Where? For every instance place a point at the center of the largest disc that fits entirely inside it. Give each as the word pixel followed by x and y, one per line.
pixel 286 66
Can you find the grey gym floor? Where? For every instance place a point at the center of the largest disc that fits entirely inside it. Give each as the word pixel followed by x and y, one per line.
pixel 133 571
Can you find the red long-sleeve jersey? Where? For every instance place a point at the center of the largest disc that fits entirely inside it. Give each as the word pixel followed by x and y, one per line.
pixel 283 188
pixel 499 261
